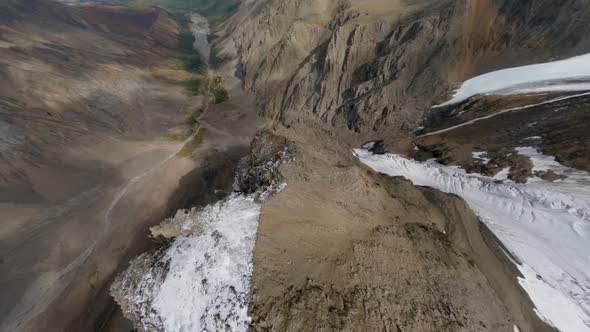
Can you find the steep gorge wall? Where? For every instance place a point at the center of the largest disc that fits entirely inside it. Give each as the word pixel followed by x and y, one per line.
pixel 376 66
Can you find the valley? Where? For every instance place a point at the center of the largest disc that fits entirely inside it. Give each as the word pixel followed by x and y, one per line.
pixel 304 165
pixel 96 155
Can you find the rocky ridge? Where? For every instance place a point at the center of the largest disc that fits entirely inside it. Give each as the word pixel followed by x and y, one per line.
pixel 374 66
pixel 218 305
pixel 331 75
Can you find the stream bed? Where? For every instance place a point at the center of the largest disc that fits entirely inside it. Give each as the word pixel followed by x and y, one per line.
pixel 200 29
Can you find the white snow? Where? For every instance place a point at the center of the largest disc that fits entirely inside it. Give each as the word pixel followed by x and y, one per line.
pixel 201 281
pixel 503 174
pixel 540 161
pixel 208 282
pixel 571 74
pixel 546 225
pixel 368 146
pixel 479 155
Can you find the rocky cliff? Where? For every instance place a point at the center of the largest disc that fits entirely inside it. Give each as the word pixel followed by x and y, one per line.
pixel 335 248
pixel 377 66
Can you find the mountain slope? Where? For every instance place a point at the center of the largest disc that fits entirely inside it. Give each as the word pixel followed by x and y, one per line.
pixel 99 141
pixel 331 75
pixel 88 97
pixel 373 65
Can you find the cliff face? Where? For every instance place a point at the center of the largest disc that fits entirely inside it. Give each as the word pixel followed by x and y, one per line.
pixel 375 66
pixel 330 252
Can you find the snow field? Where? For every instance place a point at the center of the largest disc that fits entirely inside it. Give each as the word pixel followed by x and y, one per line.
pixel 571 74
pixel 545 225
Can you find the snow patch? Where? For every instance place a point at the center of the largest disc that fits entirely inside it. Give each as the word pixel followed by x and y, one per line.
pixel 200 280
pixel 545 225
pixel 480 156
pixel 368 146
pixel 208 282
pixel 540 161
pixel 564 75
pixel 503 174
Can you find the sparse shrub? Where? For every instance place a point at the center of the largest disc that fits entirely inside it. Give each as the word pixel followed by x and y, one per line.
pixel 195 65
pixel 186 41
pixel 189 148
pixel 221 95
pixel 218 59
pixel 219 91
pixel 211 37
pixel 180 135
pixel 195 86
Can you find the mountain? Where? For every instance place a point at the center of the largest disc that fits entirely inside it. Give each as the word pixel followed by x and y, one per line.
pixel 215 10
pixel 416 166
pixel 93 111
pixel 372 64
pixel 334 250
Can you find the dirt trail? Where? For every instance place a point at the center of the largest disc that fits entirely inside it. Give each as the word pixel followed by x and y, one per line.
pixel 136 179
pixel 138 202
pixel 50 284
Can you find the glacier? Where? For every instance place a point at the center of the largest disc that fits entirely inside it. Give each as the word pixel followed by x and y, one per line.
pixel 572 74
pixel 545 225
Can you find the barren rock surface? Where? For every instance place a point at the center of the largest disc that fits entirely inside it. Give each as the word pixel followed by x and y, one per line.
pixel 93 105
pixel 343 249
pixel 378 65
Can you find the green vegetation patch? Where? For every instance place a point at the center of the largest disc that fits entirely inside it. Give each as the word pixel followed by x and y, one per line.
pixel 202 85
pixel 221 95
pixel 195 65
pixel 179 135
pixel 215 10
pixel 191 62
pixel 212 37
pixel 193 120
pixel 186 40
pixel 219 91
pixel 189 148
pixel 217 59
pixel 196 85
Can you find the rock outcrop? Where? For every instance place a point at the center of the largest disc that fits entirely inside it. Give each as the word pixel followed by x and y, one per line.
pixel 206 254
pixel 345 249
pixel 376 66
pixel 258 171
pixel 335 248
